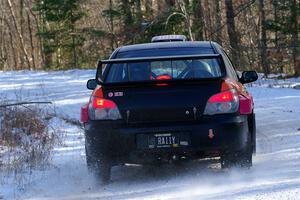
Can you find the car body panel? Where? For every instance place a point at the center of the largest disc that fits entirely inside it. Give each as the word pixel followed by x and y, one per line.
pixel 184 102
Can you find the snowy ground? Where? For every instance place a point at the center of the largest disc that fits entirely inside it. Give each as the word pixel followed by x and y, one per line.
pixel 275 174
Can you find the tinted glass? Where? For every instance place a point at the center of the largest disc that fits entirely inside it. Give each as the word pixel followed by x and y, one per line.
pixel 157 70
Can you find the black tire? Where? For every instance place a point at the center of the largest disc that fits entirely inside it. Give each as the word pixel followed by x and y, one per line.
pixel 252 129
pixel 89 162
pixel 241 158
pixel 103 171
pixel 98 165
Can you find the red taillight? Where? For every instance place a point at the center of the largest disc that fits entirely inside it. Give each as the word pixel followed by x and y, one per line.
pixel 103 109
pixel 84 115
pixel 221 103
pixel 102 103
pixel 245 100
pixel 222 97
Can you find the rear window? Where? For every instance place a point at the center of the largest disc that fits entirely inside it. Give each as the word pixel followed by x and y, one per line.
pixel 168 69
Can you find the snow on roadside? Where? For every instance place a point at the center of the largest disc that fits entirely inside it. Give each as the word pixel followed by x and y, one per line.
pixel 273 81
pixel 66 89
pixel 275 174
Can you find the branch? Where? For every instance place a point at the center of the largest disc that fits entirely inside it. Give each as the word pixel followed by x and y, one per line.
pixel 240 10
pixel 174 13
pixel 24 103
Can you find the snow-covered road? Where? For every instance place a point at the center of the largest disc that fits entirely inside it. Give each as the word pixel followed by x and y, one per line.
pixel 275 174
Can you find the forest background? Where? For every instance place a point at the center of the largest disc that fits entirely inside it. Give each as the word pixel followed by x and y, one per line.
pixel 260 35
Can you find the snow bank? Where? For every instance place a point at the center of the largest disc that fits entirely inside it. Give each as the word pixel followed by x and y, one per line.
pixel 273 81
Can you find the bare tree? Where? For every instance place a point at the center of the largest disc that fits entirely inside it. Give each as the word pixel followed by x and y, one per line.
pixel 11 9
pixel 238 25
pixel 295 7
pixel 263 38
pixel 198 22
pixel 31 41
pixel 218 21
pixel 232 34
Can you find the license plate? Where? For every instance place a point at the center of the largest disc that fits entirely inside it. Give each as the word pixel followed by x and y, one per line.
pixel 162 140
pixel 166 140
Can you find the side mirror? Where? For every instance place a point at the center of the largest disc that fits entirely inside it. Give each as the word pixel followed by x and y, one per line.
pixel 248 77
pixel 91 84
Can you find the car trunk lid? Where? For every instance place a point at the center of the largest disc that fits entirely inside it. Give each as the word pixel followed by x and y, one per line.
pixel 148 103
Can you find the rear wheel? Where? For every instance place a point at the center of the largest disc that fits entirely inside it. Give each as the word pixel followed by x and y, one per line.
pixel 252 129
pixel 237 159
pixel 98 165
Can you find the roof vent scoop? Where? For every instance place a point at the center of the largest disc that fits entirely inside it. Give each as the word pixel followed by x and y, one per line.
pixel 169 38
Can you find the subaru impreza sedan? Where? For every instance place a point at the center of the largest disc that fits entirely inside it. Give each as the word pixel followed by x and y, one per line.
pixel 168 100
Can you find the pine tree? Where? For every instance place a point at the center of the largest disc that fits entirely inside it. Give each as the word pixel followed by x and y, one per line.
pixel 287 23
pixel 111 15
pixel 58 30
pixel 125 8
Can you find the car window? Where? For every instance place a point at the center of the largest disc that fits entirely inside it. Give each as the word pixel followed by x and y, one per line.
pixel 118 74
pixel 156 70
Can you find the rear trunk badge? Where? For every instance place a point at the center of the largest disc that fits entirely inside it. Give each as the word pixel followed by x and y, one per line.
pixel 116 94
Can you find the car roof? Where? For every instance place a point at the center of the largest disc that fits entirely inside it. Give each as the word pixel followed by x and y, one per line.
pixel 166 45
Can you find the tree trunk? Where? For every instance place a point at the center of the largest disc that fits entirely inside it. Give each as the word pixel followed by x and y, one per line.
pixel 19 33
pixel 188 22
pixel 160 7
pixel 111 22
pixel 170 3
pixel 74 52
pixel 21 18
pixel 75 62
pixel 163 6
pixel 295 39
pixel 13 51
pixel 278 54
pixel 2 45
pixel 40 51
pixel 233 36
pixel 6 62
pixel 38 20
pixel 208 24
pixel 263 39
pixel 138 11
pixel 127 21
pixel 148 9
pixel 218 22
pixel 198 24
pixel 11 45
pixel 31 42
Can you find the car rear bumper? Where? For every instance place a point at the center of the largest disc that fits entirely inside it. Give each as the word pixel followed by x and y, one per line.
pixel 120 141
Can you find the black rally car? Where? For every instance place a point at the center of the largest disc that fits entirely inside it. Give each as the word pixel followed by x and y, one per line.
pixel 167 101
